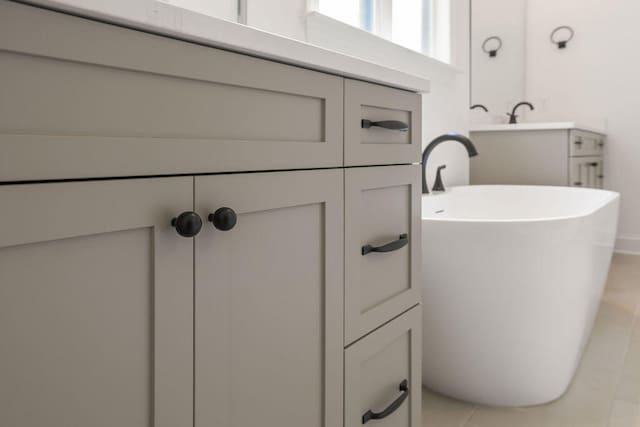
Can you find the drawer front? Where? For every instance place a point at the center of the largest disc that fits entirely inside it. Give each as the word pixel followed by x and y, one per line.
pixel 75 104
pixel 382 213
pixel 587 172
pixel 368 142
pixel 382 372
pixel 583 143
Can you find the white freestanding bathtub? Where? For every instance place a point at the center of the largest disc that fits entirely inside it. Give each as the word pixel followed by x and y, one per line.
pixel 513 277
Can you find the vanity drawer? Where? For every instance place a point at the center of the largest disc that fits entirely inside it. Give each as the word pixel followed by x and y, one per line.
pixel 587 172
pixel 75 104
pixel 382 371
pixel 582 143
pixel 382 245
pixel 366 141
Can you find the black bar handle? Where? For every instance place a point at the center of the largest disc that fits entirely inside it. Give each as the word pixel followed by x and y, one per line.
pixel 402 241
pixel 370 415
pixel 386 124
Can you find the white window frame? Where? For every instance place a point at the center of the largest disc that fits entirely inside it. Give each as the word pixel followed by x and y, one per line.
pixel 436 41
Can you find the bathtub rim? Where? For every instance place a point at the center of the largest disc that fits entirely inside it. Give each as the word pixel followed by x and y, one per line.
pixel 613 196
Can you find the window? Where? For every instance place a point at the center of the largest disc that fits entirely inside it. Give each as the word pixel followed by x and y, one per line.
pixel 409 23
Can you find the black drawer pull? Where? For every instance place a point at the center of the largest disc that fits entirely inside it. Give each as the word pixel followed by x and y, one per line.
pixel 370 415
pixel 386 124
pixel 389 247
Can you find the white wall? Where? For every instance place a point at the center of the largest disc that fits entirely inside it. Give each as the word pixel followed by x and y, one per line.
pixel 597 76
pixel 499 82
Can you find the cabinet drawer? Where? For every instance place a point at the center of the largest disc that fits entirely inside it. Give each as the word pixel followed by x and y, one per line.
pixel 382 213
pixel 75 104
pixel 586 172
pixel 583 143
pixel 382 373
pixel 367 143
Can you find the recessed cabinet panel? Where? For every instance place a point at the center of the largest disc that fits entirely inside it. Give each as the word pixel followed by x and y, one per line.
pixel 382 125
pixel 75 104
pixel 382 245
pixel 382 375
pixel 269 300
pixel 95 305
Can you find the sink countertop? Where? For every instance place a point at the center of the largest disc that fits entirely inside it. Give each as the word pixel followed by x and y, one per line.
pixel 537 126
pixel 195 27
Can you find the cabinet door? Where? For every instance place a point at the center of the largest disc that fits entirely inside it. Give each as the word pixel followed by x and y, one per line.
pixel 382 375
pixel 269 301
pixel 382 210
pixel 96 295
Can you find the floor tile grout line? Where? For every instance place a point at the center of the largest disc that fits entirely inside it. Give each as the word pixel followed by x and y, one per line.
pixel 465 423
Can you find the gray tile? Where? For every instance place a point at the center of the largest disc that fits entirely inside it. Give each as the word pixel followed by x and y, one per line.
pixel 624 414
pixel 441 411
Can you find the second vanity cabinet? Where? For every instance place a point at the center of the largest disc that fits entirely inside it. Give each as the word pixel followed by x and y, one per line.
pixel 565 157
pixel 211 241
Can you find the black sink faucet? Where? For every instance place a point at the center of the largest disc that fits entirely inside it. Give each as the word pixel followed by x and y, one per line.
pixel 482 107
pixel 513 118
pixel 471 149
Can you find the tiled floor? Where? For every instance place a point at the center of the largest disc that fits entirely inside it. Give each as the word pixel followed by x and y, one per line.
pixel 606 389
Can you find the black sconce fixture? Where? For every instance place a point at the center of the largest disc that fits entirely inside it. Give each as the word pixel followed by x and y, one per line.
pixel 562 44
pixel 493 52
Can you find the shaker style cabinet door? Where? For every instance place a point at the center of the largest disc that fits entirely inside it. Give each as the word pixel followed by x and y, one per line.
pixel 269 300
pixel 382 245
pixel 96 297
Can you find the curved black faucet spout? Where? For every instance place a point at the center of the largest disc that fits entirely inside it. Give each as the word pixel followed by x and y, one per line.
pixel 471 149
pixel 513 118
pixel 480 106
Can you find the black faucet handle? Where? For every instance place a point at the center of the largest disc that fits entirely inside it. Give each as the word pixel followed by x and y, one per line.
pixel 439 185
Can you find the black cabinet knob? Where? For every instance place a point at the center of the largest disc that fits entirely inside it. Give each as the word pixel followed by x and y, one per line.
pixel 187 224
pixel 224 219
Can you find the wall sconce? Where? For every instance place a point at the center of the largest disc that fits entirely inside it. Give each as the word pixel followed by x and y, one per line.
pixel 562 44
pixel 493 52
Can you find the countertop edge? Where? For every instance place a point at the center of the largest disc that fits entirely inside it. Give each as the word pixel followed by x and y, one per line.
pixel 537 126
pixel 231 36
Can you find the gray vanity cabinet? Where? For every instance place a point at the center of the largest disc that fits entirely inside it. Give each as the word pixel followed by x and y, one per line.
pixel 109 317
pixel 563 157
pixel 96 304
pixel 268 307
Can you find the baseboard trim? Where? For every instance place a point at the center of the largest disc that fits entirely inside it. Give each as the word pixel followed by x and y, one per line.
pixel 628 245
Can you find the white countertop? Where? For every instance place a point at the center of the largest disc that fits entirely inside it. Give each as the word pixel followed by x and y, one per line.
pixel 537 126
pixel 191 26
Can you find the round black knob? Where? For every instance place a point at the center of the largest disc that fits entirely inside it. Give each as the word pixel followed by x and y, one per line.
pixel 187 224
pixel 224 219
